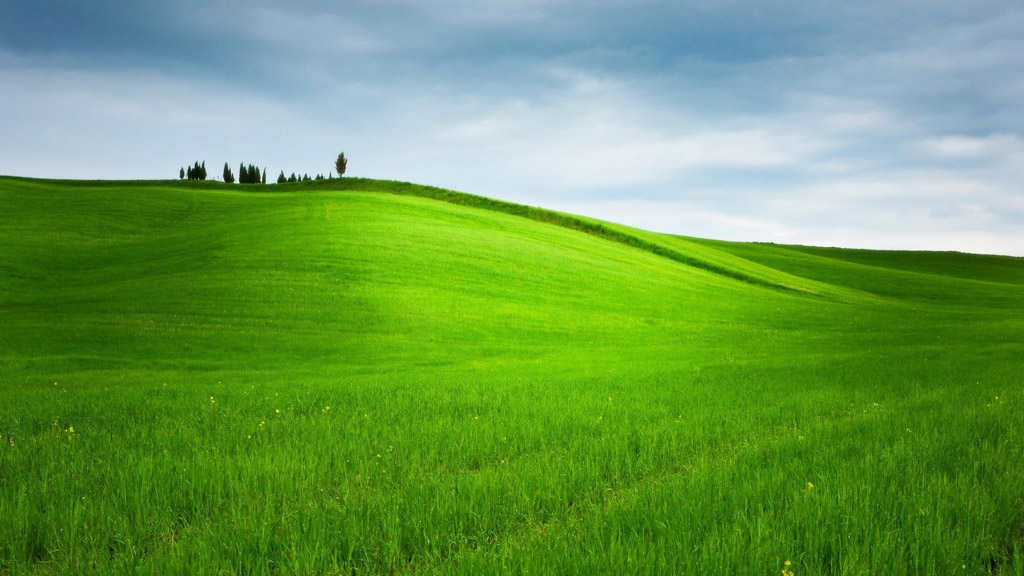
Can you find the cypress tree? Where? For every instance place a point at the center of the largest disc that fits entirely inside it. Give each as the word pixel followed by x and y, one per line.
pixel 181 173
pixel 263 179
pixel 341 164
pixel 228 176
pixel 242 174
pixel 292 178
pixel 203 171
pixel 281 179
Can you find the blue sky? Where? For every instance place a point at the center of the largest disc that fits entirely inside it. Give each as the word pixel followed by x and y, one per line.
pixel 865 124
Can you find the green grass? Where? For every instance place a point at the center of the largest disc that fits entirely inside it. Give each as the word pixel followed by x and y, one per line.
pixel 358 376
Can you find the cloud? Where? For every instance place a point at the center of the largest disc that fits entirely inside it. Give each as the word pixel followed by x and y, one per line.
pixel 993 146
pixel 322 33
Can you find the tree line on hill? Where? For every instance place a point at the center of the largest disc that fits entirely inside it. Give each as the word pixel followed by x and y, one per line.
pixel 196 172
pixel 252 174
pixel 246 174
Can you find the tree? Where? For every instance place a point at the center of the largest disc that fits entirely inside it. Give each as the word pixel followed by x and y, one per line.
pixel 197 171
pixel 281 179
pixel 228 176
pixel 340 164
pixel 181 174
pixel 263 179
pixel 292 178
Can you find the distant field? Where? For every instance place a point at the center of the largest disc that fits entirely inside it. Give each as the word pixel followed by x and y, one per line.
pixel 365 377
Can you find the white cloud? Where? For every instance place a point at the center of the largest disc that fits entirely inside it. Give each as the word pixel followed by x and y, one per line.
pixel 591 134
pixel 995 145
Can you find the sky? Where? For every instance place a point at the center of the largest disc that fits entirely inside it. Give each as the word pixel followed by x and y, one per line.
pixel 870 124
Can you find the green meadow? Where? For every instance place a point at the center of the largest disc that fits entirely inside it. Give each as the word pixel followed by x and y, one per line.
pixel 365 377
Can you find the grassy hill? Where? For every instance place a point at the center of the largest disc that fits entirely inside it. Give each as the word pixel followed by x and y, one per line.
pixel 357 376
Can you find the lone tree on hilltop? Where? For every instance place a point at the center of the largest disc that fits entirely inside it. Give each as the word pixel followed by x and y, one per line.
pixel 340 164
pixel 181 174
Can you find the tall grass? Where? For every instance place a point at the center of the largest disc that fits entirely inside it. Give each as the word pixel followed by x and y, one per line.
pixel 199 380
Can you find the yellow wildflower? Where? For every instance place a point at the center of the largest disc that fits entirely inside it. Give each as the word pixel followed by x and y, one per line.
pixel 71 430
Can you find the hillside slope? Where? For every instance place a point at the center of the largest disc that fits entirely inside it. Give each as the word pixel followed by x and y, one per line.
pixel 368 376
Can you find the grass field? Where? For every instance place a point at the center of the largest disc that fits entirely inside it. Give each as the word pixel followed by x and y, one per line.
pixel 361 377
